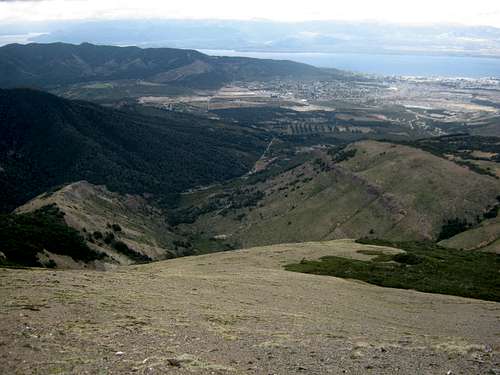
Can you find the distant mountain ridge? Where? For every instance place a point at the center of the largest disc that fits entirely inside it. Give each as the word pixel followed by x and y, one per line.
pixel 49 65
pixel 266 35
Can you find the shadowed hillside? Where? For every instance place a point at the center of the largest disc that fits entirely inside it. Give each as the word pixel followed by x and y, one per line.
pixel 48 141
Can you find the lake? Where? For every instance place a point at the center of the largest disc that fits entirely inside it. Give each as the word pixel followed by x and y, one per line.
pixel 384 64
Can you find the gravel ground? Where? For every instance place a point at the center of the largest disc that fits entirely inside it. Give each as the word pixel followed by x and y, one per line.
pixel 237 313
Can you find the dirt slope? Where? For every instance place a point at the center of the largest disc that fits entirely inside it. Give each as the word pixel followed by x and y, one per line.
pixel 237 313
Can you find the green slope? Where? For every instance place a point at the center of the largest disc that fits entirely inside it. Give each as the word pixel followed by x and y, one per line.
pixel 374 189
pixel 424 267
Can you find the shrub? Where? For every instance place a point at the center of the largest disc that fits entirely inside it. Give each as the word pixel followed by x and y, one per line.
pixel 492 213
pixel 408 258
pixel 123 248
pixel 23 236
pixel 453 227
pixel 116 227
pixel 109 238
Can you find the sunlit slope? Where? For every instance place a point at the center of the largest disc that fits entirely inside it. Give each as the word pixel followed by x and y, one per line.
pixel 103 218
pixel 373 189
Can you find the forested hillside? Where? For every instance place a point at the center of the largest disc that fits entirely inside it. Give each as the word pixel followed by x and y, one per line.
pixel 48 141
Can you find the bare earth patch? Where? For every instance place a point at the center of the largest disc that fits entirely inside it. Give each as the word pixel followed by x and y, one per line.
pixel 237 313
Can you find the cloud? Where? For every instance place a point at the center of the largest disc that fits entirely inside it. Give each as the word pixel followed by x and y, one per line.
pixel 422 11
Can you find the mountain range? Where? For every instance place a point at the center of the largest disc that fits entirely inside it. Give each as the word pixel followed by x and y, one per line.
pixel 50 65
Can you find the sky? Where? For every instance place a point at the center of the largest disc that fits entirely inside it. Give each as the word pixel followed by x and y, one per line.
pixel 476 12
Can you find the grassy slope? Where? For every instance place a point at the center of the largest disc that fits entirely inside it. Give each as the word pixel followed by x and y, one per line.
pixel 485 236
pixel 90 209
pixel 385 190
pixel 424 267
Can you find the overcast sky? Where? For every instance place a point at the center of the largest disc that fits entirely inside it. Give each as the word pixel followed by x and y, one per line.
pixel 470 12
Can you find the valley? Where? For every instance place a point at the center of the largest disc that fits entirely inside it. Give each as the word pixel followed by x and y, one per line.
pixel 394 107
pixel 253 162
pixel 166 211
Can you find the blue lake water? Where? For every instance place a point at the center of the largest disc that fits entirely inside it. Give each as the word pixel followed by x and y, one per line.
pixel 383 64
